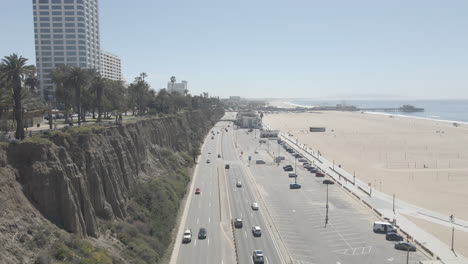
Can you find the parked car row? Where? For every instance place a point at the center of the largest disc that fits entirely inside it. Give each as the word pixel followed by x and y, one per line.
pixel 391 234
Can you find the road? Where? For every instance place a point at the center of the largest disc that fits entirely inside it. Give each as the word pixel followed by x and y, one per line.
pixel 218 203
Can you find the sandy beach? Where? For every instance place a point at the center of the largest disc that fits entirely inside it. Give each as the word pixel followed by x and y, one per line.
pixel 423 162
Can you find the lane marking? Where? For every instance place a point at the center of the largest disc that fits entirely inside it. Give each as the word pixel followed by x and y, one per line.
pixel 198 220
pixel 209 219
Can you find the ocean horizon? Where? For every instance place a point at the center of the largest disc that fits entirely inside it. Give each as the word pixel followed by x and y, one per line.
pixel 442 110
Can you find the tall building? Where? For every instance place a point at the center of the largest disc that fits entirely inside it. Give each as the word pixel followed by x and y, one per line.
pixel 110 67
pixel 180 88
pixel 65 32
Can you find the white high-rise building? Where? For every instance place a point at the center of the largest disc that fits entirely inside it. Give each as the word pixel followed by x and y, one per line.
pixel 110 67
pixel 66 32
pixel 180 88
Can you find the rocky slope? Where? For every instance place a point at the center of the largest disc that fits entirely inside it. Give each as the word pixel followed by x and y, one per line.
pixel 78 180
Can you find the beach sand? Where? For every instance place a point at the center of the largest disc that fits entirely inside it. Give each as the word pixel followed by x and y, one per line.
pixel 423 162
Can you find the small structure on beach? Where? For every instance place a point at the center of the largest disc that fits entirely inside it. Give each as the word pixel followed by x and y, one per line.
pixel 269 133
pixel 317 129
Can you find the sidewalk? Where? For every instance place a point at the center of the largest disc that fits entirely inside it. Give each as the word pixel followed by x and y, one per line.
pixel 382 204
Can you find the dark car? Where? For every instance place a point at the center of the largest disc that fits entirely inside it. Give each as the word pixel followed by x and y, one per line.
pixel 202 233
pixel 393 236
pixel 289 169
pixel 212 137
pixel 260 162
pixel 319 174
pixel 287 166
pixel 238 223
pixel 197 191
pixel 302 160
pixel 405 246
pixel 292 175
pixel 294 186
pixel 226 166
pixel 328 182
pixel 219 156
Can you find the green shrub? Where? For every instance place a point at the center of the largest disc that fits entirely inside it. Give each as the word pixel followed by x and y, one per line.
pixel 62 252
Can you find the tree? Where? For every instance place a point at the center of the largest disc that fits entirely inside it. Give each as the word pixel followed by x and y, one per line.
pixel 97 87
pixel 63 90
pixel 78 79
pixel 13 70
pixel 195 151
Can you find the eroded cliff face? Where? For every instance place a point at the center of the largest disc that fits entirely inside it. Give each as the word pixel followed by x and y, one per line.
pixel 78 179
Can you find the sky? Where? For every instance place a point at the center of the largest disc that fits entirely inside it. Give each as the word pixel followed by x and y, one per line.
pixel 339 49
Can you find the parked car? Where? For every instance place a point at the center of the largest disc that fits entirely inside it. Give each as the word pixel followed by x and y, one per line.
pixel 294 186
pixel 292 175
pixel 260 162
pixel 219 156
pixel 289 169
pixel 254 206
pixel 383 227
pixel 226 166
pixel 281 157
pixel 405 246
pixel 197 191
pixel 319 174
pixel 239 184
pixel 306 165
pixel 258 257
pixel 262 141
pixel 212 137
pixel 393 236
pixel 302 160
pixel 256 231
pixel 312 169
pixel 187 236
pixel 238 223
pixel 328 182
pixel 202 233
pixel 287 166
pixel 208 161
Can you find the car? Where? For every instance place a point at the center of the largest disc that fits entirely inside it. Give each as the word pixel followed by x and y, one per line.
pixel 260 162
pixel 312 169
pixel 287 166
pixel 319 174
pixel 208 161
pixel 239 184
pixel 209 152
pixel 238 223
pixel 197 191
pixel 217 132
pixel 250 130
pixel 262 141
pixel 289 169
pixel 306 165
pixel 187 236
pixel 219 156
pixel 405 246
pixel 202 233
pixel 254 206
pixel 294 186
pixel 292 175
pixel 257 256
pixel 226 166
pixel 281 157
pixel 328 182
pixel 297 155
pixel 212 137
pixel 302 160
pixel 256 152
pixel 256 231
pixel 393 236
pixel 383 227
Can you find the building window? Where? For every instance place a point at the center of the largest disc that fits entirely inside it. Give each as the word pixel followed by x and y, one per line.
pixel 45 42
pixel 58 53
pixel 56 18
pixel 69 24
pixel 57 24
pixel 72 59
pixel 71 47
pixel 42 7
pixel 45 30
pixel 68 1
pixel 59 59
pixel 58 30
pixel 56 1
pixel 58 48
pixel 70 36
pixel 56 7
pixel 45 24
pixel 69 7
pixel 69 13
pixel 71 53
pixel 58 42
pixel 71 42
pixel 69 19
pixel 58 36
pixel 44 13
pixel 56 13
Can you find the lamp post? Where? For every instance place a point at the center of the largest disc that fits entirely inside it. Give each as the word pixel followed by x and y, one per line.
pixel 407 256
pixel 452 219
pixel 393 203
pixel 326 207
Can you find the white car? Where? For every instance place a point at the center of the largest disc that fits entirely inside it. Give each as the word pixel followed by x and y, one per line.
pixel 239 184
pixel 187 236
pixel 254 206
pixel 256 231
pixel 257 256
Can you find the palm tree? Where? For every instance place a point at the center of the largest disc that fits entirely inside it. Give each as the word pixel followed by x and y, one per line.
pixel 97 86
pixel 14 70
pixel 63 91
pixel 78 79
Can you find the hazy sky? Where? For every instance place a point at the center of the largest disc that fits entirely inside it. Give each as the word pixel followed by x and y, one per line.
pixel 272 48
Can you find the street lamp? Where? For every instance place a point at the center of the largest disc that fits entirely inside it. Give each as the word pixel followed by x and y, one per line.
pixel 452 219
pixel 326 214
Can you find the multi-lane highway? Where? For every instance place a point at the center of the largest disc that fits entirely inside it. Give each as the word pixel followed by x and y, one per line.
pixel 292 221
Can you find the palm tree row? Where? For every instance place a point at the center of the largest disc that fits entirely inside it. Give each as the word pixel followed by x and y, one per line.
pixel 83 91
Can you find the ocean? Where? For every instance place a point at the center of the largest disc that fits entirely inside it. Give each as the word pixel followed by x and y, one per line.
pixel 447 110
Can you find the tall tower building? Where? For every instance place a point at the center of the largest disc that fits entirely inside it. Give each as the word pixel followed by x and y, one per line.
pixel 66 32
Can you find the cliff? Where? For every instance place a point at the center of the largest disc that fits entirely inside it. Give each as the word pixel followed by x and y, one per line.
pixel 79 179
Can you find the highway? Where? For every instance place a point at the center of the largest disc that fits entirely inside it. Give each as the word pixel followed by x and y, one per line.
pixel 218 203
pixel 292 221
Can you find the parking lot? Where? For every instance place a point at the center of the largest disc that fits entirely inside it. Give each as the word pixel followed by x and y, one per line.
pixel 299 216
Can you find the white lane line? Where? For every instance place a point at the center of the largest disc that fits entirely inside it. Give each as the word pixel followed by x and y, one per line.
pixel 209 204
pixel 208 242
pixel 209 219
pixel 245 234
pixel 195 242
pixel 198 220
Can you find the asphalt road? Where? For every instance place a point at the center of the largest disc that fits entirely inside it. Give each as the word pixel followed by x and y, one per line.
pixel 218 203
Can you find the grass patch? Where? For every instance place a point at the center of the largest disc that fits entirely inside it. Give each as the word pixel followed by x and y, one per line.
pixel 80 251
pixel 36 140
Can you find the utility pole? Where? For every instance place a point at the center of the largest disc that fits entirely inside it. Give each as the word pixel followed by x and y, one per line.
pixel 326 213
pixel 393 203
pixel 407 257
pixel 452 219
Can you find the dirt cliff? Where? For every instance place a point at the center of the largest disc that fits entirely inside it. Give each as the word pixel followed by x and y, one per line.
pixel 77 180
